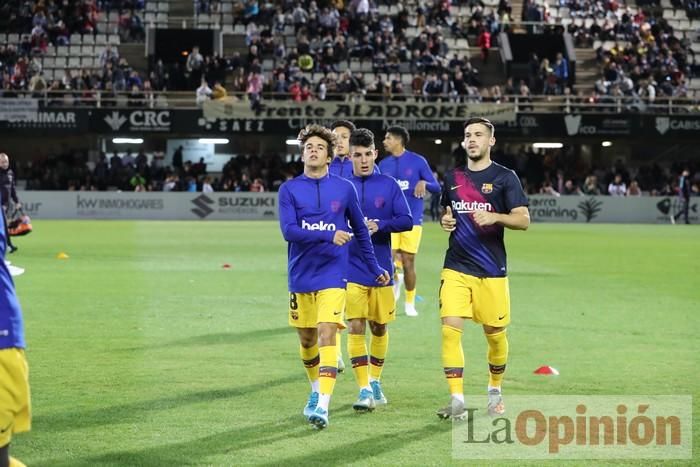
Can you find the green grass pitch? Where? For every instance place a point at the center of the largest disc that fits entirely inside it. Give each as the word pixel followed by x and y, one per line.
pixel 144 351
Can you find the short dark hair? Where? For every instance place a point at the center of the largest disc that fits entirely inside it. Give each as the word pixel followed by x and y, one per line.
pixel 343 123
pixel 362 137
pixel 320 131
pixel 401 132
pixel 484 121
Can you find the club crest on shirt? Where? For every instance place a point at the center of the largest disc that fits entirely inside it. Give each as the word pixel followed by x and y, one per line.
pixel 379 202
pixel 335 206
pixel 487 188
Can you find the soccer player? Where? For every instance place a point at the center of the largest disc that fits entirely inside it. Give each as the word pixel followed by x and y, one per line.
pixel 315 208
pixel 386 210
pixel 480 200
pixel 15 407
pixel 412 172
pixel 341 165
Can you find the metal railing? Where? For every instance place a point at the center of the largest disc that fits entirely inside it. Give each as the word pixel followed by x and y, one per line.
pixel 532 103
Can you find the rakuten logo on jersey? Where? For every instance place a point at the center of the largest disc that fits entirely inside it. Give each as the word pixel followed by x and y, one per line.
pixel 317 226
pixel 465 207
pixel 403 184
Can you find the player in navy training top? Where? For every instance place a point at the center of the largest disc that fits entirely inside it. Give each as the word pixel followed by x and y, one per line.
pixel 413 173
pixel 15 405
pixel 480 200
pixel 386 211
pixel 315 210
pixel 341 165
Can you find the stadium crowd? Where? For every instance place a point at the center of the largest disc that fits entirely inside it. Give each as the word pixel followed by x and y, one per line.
pixel 40 24
pixel 326 38
pixel 554 172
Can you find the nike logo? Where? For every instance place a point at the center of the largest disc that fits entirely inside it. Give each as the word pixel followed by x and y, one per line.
pixel 6 428
pixel 501 317
pixel 336 313
pixel 455 187
pixel 392 312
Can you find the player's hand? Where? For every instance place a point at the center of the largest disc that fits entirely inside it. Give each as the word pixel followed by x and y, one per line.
pixel 447 221
pixel 341 237
pixel 484 218
pixel 419 191
pixel 384 279
pixel 18 205
pixel 372 226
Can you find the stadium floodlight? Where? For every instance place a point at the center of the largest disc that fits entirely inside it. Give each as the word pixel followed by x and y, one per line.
pixel 606 144
pixel 547 145
pixel 438 141
pixel 293 142
pixel 127 140
pixel 213 140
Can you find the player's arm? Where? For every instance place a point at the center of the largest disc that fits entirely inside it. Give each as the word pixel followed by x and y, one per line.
pixel 289 222
pixel 357 222
pixel 447 220
pixel 427 181
pixel 401 218
pixel 518 218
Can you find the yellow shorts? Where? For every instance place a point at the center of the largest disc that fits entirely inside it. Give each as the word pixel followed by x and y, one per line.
pixel 408 241
pixel 484 300
pixel 15 403
pixel 373 303
pixel 306 310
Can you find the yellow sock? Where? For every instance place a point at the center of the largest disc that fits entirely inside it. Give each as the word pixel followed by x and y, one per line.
pixel 339 345
pixel 497 357
pixel 357 351
pixel 410 296
pixel 15 463
pixel 453 358
pixel 398 266
pixel 378 346
pixel 328 369
pixel 311 361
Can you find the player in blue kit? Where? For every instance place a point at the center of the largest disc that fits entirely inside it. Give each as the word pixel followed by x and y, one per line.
pixel 386 211
pixel 315 209
pixel 413 173
pixel 480 200
pixel 341 165
pixel 15 404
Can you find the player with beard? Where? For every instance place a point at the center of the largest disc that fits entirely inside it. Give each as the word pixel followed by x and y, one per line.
pixel 480 199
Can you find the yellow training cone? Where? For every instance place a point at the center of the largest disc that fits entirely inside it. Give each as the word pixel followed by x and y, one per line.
pixel 62 255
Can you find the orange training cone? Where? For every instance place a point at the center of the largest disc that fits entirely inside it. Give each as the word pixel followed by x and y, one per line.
pixel 547 370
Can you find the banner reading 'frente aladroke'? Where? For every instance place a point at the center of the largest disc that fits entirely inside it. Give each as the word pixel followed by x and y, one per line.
pixel 235 109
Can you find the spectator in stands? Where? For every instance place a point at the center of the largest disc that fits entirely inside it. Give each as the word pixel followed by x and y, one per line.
pixel 203 92
pixel 634 189
pixel 548 189
pixel 254 89
pixel 194 65
pixel 617 187
pixel 590 186
pixel 561 72
pixel 484 41
pixel 570 188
